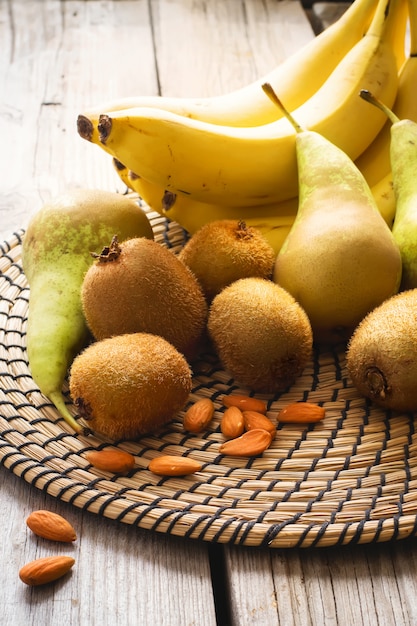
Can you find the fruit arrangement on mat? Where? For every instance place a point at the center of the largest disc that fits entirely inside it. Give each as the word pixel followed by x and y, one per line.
pixel 300 207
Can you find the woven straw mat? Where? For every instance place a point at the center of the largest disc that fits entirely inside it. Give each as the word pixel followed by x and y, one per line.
pixel 348 479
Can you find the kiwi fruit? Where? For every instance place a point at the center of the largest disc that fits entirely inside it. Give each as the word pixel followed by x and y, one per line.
pixel 261 334
pixel 223 251
pixel 140 286
pixel 381 356
pixel 128 385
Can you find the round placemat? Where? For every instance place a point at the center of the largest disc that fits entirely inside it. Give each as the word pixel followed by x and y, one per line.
pixel 348 479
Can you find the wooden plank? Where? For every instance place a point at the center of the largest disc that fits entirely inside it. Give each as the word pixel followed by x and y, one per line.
pixel 57 59
pixel 207 49
pixel 370 584
pixel 122 575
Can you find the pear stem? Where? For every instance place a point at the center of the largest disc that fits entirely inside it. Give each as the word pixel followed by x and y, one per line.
pixel 367 95
pixel 268 89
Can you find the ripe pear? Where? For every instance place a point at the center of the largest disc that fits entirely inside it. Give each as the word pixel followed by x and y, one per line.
pixel 403 156
pixel 55 256
pixel 339 259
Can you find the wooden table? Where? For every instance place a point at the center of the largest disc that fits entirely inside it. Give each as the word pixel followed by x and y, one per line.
pixel 56 58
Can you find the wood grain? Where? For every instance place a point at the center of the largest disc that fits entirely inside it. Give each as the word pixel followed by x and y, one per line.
pixel 122 575
pixel 368 584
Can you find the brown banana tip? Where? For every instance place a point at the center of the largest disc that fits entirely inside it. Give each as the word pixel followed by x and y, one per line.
pixel 118 165
pixel 104 127
pixel 85 127
pixel 168 200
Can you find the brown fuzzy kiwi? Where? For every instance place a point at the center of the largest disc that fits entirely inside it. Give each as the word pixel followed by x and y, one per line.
pixel 382 353
pixel 261 334
pixel 128 385
pixel 223 251
pixel 140 286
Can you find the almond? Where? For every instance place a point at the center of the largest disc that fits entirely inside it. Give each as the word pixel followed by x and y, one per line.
pixel 171 465
pixel 116 461
pixel 199 415
pixel 50 525
pixel 253 419
pixel 232 423
pixel 245 403
pixel 251 443
pixel 45 570
pixel 301 412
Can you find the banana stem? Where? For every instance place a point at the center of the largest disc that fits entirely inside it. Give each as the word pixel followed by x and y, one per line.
pixel 104 128
pixel 84 127
pixel 268 89
pixel 366 95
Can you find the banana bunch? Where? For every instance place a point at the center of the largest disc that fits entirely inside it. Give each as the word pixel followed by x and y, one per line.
pixel 233 156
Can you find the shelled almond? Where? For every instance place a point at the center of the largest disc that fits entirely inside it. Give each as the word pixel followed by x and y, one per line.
pixel 251 443
pixel 116 461
pixel 51 526
pixel 245 403
pixel 171 465
pixel 45 570
pixel 232 423
pixel 199 415
pixel 301 412
pixel 253 419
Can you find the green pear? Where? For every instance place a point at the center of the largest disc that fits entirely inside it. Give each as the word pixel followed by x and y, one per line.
pixel 56 253
pixel 403 156
pixel 339 259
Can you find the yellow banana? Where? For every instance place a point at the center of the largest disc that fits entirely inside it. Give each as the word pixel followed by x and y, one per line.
pixel 274 220
pixel 375 161
pixel 194 214
pixel 297 78
pixel 252 166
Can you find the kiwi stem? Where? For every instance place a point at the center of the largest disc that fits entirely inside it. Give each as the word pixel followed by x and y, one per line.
pixel 268 89
pixel 369 97
pixel 242 231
